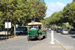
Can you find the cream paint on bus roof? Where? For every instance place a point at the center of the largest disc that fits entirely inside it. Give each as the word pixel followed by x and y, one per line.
pixel 35 23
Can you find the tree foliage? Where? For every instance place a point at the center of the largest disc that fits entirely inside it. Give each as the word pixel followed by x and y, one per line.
pixel 39 8
pixel 21 11
pixel 66 15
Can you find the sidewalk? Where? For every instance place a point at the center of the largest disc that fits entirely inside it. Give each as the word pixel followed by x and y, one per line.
pixel 47 46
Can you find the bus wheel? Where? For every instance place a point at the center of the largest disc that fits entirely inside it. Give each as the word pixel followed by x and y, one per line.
pixel 45 36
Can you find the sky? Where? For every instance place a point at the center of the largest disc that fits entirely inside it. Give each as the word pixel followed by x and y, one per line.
pixel 55 6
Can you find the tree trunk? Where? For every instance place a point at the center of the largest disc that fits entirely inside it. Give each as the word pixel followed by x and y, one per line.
pixel 22 24
pixel 25 23
pixel 14 30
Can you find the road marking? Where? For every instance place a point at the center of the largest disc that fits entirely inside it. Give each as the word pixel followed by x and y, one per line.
pixel 60 44
pixel 68 36
pixel 65 47
pixel 57 41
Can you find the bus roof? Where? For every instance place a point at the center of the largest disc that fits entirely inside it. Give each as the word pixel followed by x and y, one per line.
pixel 35 23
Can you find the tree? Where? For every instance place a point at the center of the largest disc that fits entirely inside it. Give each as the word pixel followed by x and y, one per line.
pixel 66 15
pixel 69 11
pixel 27 12
pixel 55 18
pixel 22 11
pixel 19 11
pixel 39 8
pixel 3 11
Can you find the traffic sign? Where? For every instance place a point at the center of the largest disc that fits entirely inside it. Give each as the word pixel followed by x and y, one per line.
pixel 7 24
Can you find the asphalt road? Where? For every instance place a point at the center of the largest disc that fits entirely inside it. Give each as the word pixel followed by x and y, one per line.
pixel 68 41
pixel 21 43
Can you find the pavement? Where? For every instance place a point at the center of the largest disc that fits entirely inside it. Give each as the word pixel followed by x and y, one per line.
pixel 3 33
pixel 48 46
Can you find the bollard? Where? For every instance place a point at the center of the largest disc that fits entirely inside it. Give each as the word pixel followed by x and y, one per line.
pixel 52 37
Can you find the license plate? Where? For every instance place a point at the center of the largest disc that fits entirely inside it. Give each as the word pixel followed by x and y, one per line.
pixel 65 32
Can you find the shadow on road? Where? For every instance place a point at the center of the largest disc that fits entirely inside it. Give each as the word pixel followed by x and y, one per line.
pixel 4 37
pixel 72 33
pixel 73 36
pixel 37 39
pixel 22 34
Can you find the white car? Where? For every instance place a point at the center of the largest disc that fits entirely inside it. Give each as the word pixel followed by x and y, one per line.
pixel 49 28
pixel 64 31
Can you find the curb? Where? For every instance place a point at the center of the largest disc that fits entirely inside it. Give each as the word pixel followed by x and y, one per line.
pixel 63 46
pixel 10 38
pixel 60 43
pixel 14 37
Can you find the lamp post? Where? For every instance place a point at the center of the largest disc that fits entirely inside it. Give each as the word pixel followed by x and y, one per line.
pixel 71 18
pixel 7 19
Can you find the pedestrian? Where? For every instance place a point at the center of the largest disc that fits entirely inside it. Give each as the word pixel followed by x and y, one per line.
pixel 33 28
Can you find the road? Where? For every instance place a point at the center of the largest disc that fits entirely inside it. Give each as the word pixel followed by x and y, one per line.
pixel 21 43
pixel 68 41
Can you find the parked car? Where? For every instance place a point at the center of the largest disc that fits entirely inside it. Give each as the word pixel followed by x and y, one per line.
pixel 19 30
pixel 58 30
pixel 72 31
pixel 64 31
pixel 49 28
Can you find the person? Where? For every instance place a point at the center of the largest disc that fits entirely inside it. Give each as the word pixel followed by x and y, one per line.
pixel 39 27
pixel 33 28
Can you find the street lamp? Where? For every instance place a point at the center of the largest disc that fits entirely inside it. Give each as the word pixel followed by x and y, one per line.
pixel 71 18
pixel 7 19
